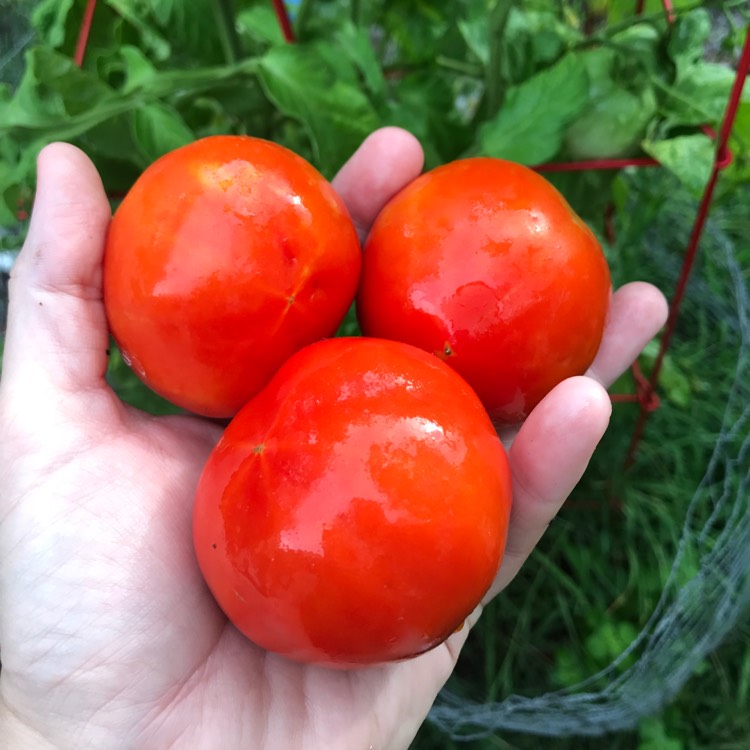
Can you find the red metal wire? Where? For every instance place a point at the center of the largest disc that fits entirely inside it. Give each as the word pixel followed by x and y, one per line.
pixel 83 32
pixel 721 159
pixel 666 4
pixel 669 10
pixel 284 23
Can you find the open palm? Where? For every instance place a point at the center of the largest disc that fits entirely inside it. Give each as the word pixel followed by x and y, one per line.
pixel 109 636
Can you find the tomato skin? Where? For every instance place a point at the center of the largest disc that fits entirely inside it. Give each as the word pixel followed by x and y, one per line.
pixel 483 263
pixel 225 257
pixel 355 511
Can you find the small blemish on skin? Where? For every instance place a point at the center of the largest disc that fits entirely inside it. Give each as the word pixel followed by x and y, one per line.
pixel 213 546
pixel 259 449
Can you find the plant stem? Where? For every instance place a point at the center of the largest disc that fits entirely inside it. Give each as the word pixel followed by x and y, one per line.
pixel 230 41
pixel 495 74
pixel 356 10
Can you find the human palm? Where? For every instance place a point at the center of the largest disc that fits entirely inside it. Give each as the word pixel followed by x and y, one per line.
pixel 109 636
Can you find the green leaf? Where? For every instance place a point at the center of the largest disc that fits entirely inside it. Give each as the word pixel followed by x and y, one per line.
pixel 610 639
pixel 423 103
pixel 700 96
pixel 688 38
pixel 53 87
pixel 260 24
pixel 417 28
pixel 641 48
pixel 689 157
pixel 192 27
pixel 534 39
pixel 611 126
pixel 153 41
pixel 474 33
pixel 159 129
pixel 356 45
pixel 653 736
pixel 673 381
pixel 49 19
pixel 17 171
pixel 599 63
pixel 530 126
pixel 302 84
pixel 137 68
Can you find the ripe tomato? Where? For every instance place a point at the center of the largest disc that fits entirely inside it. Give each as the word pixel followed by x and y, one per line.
pixel 483 262
pixel 355 511
pixel 226 256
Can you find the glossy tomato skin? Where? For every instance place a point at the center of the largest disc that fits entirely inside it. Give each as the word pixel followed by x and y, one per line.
pixel 483 263
pixel 355 511
pixel 225 257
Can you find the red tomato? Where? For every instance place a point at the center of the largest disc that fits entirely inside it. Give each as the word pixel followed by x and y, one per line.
pixel 225 257
pixel 483 263
pixel 355 511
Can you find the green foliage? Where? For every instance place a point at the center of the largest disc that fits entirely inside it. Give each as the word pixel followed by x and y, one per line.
pixel 530 81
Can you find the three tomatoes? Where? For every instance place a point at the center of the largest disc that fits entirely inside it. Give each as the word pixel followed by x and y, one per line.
pixel 356 507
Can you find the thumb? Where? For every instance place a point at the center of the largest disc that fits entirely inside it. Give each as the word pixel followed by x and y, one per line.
pixel 56 341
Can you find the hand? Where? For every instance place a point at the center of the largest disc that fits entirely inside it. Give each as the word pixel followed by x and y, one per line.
pixel 109 637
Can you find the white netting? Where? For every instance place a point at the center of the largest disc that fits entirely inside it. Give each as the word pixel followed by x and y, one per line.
pixel 692 617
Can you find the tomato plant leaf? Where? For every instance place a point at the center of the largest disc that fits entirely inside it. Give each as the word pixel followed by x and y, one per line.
pixel 356 45
pixel 700 96
pixel 191 26
pixel 137 68
pixel 688 38
pixel 259 24
pixel 336 114
pixel 52 88
pixel 534 39
pixel 474 33
pixel 611 126
pixel 152 40
pixel 158 129
pixel 425 105
pixel 417 28
pixel 530 126
pixel 688 157
pixel 49 19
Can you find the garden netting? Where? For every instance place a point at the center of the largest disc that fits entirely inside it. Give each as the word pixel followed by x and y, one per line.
pixel 707 591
